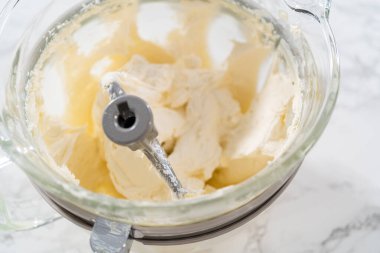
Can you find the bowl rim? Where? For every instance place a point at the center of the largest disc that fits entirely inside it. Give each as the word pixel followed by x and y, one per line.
pixel 104 204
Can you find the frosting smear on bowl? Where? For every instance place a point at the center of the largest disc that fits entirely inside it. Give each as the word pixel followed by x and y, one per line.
pixel 223 103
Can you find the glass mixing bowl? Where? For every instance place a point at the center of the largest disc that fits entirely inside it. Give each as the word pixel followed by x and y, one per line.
pixel 25 25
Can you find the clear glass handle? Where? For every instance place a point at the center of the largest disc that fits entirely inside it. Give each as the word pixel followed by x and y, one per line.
pixel 317 8
pixel 21 207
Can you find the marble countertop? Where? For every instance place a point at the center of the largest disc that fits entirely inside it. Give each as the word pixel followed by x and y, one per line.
pixel 333 205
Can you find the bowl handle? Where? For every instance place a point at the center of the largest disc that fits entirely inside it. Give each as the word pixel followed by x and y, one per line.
pixel 21 207
pixel 320 9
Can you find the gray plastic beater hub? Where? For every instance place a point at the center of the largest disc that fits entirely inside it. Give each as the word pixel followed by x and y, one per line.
pixel 142 127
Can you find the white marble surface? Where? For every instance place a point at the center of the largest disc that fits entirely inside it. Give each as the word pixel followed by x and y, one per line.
pixel 333 205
